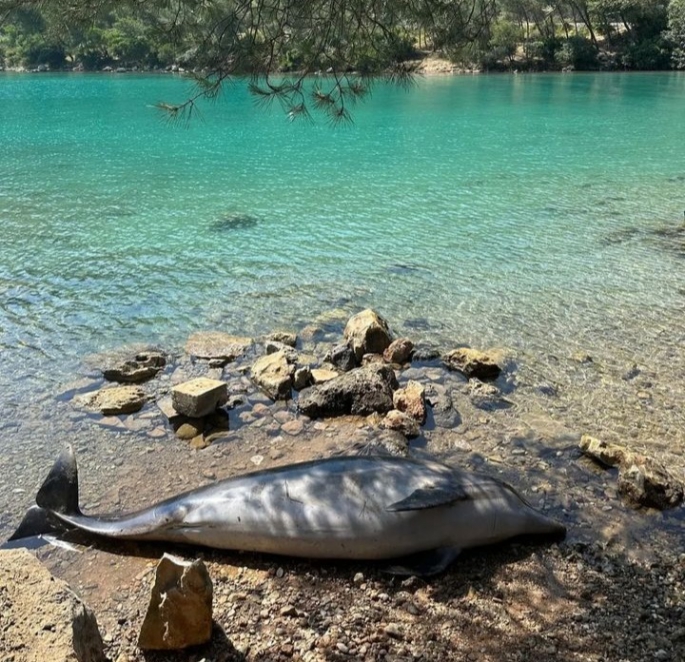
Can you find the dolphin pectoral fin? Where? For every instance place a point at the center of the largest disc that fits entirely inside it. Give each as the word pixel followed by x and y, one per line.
pixel 424 564
pixel 430 497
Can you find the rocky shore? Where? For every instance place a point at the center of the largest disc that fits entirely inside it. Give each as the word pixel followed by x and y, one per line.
pixel 229 404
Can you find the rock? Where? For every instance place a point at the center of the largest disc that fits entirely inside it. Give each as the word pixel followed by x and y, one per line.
pixel 180 610
pixel 401 422
pixel 293 427
pixel 425 353
pixel 472 363
pixel 284 337
pixel 166 406
pixel 411 400
pixel 271 347
pixel 607 454
pixel 115 400
pixel 367 333
pixel 644 482
pixel 370 359
pixel 399 351
pixel 342 357
pixel 200 442
pixel 138 369
pixel 321 375
pixel 217 345
pixel 41 618
pixel 361 391
pixel 199 397
pixel 581 357
pixel 486 396
pixel 302 377
pixel 188 428
pixel 444 413
pixel 273 374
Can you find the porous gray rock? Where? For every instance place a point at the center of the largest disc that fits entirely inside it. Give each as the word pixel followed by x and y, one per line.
pixel 136 369
pixel 273 374
pixel 41 619
pixel 643 482
pixel 217 345
pixel 399 351
pixel 321 375
pixel 440 401
pixel 367 333
pixel 412 400
pixel 361 391
pixel 198 397
pixel 342 357
pixel 472 363
pixel 486 396
pixel 180 611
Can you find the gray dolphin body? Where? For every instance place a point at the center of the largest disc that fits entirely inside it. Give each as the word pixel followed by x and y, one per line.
pixel 357 507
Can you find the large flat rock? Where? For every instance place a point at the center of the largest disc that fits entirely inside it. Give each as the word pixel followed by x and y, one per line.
pixel 41 619
pixel 217 345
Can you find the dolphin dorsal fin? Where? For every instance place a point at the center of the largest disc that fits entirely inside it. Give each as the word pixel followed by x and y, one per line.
pixel 59 491
pixel 430 496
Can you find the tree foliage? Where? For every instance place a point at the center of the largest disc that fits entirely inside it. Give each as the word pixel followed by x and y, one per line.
pixel 280 44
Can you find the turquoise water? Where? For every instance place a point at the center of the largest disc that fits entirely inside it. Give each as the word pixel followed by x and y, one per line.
pixel 521 211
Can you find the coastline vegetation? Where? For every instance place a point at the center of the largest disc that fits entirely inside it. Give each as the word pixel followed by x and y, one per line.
pixel 280 43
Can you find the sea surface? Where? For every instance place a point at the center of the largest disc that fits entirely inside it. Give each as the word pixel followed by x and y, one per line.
pixel 537 213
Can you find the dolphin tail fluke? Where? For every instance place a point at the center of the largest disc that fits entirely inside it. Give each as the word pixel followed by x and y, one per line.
pixel 57 494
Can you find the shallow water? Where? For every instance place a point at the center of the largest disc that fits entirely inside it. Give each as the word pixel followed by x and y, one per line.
pixel 535 213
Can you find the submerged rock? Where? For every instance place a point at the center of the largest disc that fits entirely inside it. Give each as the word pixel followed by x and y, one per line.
pixel 367 333
pixel 115 400
pixel 472 363
pixel 41 619
pixel 180 611
pixel 285 337
pixel 605 453
pixel 361 391
pixel 644 482
pixel 137 369
pixel 217 345
pixel 486 396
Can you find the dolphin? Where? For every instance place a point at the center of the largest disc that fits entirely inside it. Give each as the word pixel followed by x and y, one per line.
pixel 417 514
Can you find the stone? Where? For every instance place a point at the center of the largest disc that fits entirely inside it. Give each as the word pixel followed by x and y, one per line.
pixel 342 357
pixel 293 427
pixel 369 359
pixel 217 345
pixel 166 406
pixel 643 482
pixel 273 375
pixel 486 396
pixel 605 453
pixel 180 611
pixel 425 353
pixel 367 333
pixel 200 442
pixel 472 363
pixel 137 369
pixel 401 422
pixel 302 377
pixel 41 618
pixel 199 397
pixel 116 400
pixel 361 391
pixel 399 351
pixel 440 401
pixel 285 337
pixel 321 375
pixel 188 428
pixel 411 400
pixel 271 347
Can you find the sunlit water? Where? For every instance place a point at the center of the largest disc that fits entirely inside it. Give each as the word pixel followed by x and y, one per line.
pixel 537 213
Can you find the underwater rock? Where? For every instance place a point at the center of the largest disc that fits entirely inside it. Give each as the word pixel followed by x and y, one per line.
pixel 217 345
pixel 115 400
pixel 472 363
pixel 273 374
pixel 137 369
